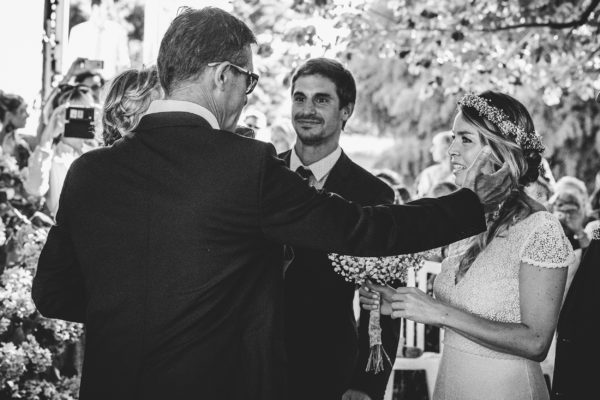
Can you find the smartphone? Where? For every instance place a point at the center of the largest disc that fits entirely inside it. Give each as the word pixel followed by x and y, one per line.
pixel 79 123
pixel 93 64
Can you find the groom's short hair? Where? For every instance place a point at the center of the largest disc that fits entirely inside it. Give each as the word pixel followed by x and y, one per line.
pixel 196 38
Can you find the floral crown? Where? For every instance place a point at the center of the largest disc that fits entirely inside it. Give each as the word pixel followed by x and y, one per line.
pixel 526 140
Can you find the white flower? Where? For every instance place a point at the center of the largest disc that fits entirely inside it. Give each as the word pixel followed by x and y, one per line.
pixel 379 269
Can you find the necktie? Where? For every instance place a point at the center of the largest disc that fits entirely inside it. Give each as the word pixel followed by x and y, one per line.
pixel 305 173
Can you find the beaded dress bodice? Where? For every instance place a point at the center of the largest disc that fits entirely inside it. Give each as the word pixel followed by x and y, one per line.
pixel 490 288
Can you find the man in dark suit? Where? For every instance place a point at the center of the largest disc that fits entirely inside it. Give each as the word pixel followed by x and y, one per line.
pixel 167 245
pixel 577 333
pixel 577 350
pixel 322 342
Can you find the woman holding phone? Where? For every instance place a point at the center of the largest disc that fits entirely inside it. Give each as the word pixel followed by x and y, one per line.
pixel 49 162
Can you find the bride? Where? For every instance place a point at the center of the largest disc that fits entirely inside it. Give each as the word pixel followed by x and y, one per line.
pixel 499 293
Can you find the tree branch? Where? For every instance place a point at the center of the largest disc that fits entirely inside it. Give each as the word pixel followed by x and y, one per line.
pixel 582 20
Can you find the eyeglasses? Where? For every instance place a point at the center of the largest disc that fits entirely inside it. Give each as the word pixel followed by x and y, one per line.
pixel 251 77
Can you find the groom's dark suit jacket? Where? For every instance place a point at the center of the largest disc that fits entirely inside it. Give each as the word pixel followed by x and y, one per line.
pixel 326 353
pixel 168 247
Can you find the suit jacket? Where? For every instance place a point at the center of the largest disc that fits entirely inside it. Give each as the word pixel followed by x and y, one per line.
pixel 168 247
pixel 321 335
pixel 577 333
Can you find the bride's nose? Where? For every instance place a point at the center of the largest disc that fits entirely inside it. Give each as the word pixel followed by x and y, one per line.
pixel 452 151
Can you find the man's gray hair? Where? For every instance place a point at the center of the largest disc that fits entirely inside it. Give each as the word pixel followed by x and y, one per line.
pixel 198 37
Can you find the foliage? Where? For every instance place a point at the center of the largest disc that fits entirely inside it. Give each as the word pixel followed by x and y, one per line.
pixel 412 59
pixel 32 348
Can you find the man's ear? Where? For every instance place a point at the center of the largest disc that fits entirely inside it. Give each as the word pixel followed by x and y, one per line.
pixel 220 76
pixel 347 111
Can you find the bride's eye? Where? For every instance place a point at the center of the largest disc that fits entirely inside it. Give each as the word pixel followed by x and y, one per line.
pixel 466 140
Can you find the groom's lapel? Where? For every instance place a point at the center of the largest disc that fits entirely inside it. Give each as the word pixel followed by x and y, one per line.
pixel 338 179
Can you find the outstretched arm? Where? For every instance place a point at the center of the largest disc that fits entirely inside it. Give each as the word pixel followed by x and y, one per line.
pixel 295 214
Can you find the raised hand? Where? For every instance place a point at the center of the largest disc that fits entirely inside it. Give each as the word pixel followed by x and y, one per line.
pixel 56 125
pixel 491 189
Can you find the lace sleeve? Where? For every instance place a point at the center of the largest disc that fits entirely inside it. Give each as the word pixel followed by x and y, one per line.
pixel 547 246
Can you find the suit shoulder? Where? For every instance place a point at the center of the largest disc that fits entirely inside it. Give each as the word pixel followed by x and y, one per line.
pixel 363 178
pixel 91 157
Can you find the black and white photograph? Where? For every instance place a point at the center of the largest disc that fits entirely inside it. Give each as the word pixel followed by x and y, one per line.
pixel 299 199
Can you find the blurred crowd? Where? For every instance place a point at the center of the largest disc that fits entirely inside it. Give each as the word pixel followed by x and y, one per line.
pixel 82 113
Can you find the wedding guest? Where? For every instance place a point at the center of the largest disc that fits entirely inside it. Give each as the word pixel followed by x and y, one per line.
pixel 323 98
pixel 575 372
pixel 128 98
pixel 393 180
pixel 13 116
pixel 255 120
pixel 404 195
pixel 282 135
pixel 499 293
pixel 540 190
pixel 440 171
pixel 93 80
pixel 442 189
pixel 570 204
pixel 168 245
pixel 51 159
pixel 577 333
pixel 101 37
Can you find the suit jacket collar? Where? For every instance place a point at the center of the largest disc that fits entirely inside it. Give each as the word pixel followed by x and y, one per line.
pixel 160 106
pixel 172 119
pixel 337 180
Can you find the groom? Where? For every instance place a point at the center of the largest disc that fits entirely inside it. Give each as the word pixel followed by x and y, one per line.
pixel 327 354
pixel 168 244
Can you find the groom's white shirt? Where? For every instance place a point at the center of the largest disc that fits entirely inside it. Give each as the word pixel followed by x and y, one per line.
pixel 158 106
pixel 319 169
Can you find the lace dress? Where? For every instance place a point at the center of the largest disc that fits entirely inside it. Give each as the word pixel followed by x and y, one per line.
pixel 490 289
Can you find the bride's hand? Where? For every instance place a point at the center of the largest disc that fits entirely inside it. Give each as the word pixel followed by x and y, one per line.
pixel 373 297
pixel 412 303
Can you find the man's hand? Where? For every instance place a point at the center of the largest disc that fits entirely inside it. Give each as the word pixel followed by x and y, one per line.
pixel 373 296
pixel 491 189
pixel 352 394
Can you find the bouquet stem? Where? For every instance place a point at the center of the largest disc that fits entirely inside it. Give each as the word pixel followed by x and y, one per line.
pixel 377 355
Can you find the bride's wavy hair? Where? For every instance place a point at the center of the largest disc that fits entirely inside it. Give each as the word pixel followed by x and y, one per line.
pixel 524 168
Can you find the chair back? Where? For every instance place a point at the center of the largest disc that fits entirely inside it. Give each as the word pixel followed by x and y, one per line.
pixel 415 332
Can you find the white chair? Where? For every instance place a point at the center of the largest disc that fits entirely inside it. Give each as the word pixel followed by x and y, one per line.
pixel 415 337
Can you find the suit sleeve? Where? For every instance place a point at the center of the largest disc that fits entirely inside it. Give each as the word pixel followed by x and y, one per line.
pixel 293 213
pixel 58 287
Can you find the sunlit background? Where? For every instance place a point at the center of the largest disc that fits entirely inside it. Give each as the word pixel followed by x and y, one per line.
pixel 411 60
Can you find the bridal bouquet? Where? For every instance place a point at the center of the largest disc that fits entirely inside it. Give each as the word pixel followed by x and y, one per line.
pixel 381 270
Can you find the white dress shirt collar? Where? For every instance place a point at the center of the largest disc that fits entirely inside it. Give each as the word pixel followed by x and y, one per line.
pixel 158 106
pixel 321 168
